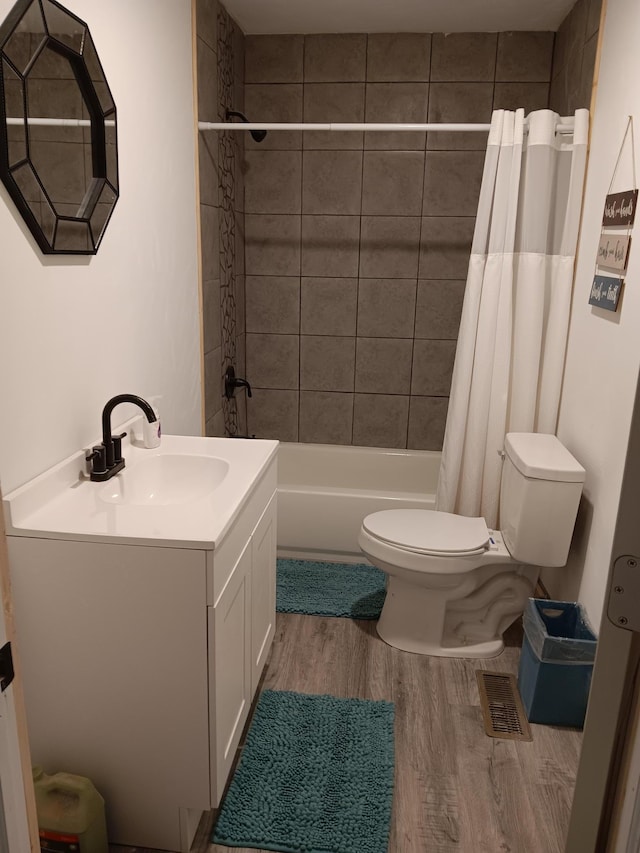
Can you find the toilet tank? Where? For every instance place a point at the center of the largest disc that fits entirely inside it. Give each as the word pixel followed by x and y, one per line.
pixel 539 496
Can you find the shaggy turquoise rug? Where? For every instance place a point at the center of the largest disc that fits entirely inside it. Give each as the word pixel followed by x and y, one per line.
pixel 315 776
pixel 356 590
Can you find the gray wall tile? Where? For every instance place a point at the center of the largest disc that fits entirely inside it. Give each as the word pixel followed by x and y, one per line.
pixel 328 306
pixel 389 246
pixel 327 363
pixel 463 56
pixel 530 96
pixel 438 308
pixel 459 102
pixel 380 420
pixel 398 57
pixel 452 182
pixel 208 168
pixel 325 417
pixel 240 238
pixel 272 181
pixel 586 72
pixel 571 35
pixel 558 99
pixel 273 304
pixel 593 18
pixel 274 59
pixel 574 58
pixel 240 294
pixel 333 102
pixel 211 315
pixel 207 22
pixel 330 245
pixel 332 182
pixel 212 383
pixel 524 57
pixel 273 361
pixel 273 414
pixel 214 427
pixel 274 103
pixel 383 365
pixel 209 241
pixel 334 226
pixel 272 244
pixel 427 421
pixel 207 82
pixel 392 183
pixel 339 57
pixel 404 103
pixel 432 367
pixel 386 307
pixel 445 246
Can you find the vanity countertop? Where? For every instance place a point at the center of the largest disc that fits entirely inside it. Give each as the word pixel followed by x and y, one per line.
pixel 186 493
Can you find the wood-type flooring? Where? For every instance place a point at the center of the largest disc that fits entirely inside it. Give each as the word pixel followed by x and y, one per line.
pixel 455 788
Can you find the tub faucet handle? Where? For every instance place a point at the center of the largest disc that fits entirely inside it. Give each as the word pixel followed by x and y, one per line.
pixel 231 382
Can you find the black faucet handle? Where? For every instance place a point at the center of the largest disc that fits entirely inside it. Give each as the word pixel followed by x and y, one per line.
pixel 98 459
pixel 231 382
pixel 117 447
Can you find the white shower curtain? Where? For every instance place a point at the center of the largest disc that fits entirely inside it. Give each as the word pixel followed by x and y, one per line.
pixel 511 345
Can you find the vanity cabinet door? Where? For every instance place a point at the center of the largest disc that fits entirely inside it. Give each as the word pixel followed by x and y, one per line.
pixel 229 670
pixel 263 591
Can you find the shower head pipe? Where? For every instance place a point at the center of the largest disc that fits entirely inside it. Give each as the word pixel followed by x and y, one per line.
pixel 257 135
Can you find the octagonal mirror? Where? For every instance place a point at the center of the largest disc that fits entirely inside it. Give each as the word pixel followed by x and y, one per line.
pixel 58 140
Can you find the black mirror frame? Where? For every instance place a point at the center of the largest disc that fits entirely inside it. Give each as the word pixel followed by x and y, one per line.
pixel 97 117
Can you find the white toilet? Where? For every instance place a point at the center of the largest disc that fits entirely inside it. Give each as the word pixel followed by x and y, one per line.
pixel 453 585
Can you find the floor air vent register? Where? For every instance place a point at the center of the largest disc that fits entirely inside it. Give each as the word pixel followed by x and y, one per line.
pixel 502 710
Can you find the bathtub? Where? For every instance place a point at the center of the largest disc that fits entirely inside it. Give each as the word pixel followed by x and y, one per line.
pixel 324 492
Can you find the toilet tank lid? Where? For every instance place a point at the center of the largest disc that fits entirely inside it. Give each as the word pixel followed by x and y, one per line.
pixel 542 456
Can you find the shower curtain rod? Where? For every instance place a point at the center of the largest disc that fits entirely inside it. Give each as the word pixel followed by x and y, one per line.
pixel 565 127
pixel 57 122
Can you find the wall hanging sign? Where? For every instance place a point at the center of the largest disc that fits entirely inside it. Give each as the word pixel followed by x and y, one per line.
pixel 620 209
pixel 613 252
pixel 605 292
pixel 615 237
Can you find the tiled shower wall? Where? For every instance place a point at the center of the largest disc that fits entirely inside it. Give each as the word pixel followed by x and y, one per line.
pixel 220 56
pixel 574 58
pixel 357 244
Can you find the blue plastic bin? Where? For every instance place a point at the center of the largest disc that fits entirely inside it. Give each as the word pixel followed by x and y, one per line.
pixel 556 662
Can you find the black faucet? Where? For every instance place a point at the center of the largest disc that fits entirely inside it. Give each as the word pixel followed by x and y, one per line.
pixel 106 458
pixel 231 382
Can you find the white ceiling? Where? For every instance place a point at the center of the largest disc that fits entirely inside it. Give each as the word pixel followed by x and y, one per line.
pixel 396 16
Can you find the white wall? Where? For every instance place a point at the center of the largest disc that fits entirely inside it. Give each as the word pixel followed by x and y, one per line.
pixel 76 331
pixel 604 347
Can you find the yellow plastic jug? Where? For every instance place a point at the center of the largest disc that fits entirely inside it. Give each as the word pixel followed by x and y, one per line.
pixel 70 814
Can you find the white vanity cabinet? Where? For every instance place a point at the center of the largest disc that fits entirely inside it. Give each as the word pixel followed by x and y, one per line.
pixel 140 661
pixel 241 626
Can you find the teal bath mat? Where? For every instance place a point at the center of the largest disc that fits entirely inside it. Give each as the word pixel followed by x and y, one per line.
pixel 356 590
pixel 315 776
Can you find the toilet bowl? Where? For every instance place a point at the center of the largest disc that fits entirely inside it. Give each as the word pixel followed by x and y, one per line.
pixel 453 585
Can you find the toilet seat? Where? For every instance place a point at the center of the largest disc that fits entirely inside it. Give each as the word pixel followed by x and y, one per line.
pixel 436 534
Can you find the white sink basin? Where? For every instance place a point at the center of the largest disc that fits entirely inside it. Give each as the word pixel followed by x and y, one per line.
pixel 185 493
pixel 166 480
